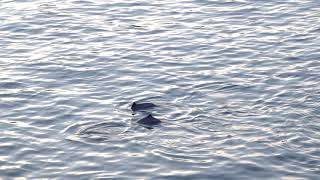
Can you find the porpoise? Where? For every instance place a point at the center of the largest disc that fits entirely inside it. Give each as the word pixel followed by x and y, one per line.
pixel 142 106
pixel 149 120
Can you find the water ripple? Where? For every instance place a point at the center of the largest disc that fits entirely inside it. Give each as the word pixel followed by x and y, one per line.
pixel 236 84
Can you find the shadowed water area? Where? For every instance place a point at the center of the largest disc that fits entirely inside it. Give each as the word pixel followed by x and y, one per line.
pixel 236 84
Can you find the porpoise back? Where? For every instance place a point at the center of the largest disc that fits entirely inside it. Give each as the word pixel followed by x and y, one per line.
pixel 149 120
pixel 142 106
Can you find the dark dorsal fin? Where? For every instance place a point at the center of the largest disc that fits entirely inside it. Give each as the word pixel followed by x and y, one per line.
pixel 149 120
pixel 142 106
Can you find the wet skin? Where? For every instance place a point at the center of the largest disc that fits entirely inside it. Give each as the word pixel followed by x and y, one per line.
pixel 149 120
pixel 142 106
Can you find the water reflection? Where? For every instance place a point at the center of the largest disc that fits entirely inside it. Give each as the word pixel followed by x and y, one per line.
pixel 235 84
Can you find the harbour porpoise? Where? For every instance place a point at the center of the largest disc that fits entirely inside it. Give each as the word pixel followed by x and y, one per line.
pixel 142 106
pixel 149 120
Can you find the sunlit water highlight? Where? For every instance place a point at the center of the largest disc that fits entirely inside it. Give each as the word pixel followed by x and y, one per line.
pixel 237 84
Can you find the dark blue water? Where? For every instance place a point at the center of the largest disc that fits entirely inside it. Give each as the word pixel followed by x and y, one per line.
pixel 236 84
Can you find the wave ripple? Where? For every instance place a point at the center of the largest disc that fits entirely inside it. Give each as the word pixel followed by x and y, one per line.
pixel 236 84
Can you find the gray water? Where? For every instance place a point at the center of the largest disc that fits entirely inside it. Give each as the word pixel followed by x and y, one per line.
pixel 237 85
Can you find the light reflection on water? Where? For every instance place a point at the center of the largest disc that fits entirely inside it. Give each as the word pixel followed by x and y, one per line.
pixel 236 84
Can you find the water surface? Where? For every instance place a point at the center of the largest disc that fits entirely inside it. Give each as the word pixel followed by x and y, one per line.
pixel 236 84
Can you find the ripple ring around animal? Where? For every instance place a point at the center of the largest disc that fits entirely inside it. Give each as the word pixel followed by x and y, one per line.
pixel 149 120
pixel 142 106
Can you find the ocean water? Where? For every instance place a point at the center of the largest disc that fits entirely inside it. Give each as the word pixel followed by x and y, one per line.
pixel 236 84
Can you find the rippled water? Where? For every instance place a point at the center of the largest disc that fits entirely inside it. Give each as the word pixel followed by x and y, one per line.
pixel 237 84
